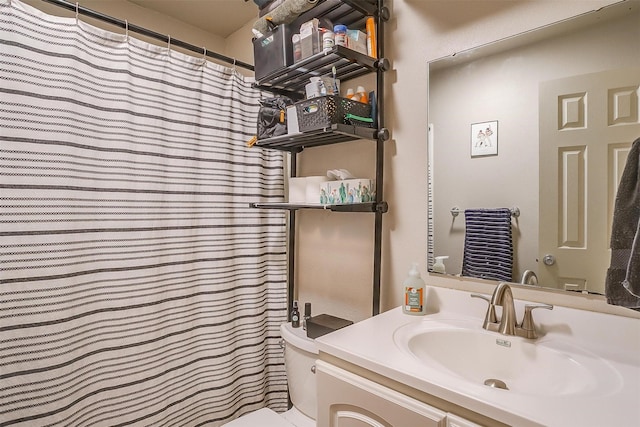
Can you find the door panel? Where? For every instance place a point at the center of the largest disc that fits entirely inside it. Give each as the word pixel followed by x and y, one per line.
pixel 587 125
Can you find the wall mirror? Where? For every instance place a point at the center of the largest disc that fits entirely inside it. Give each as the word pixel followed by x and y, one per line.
pixel 535 90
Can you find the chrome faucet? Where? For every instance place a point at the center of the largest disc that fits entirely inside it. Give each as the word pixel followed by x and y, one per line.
pixel 529 278
pixel 508 324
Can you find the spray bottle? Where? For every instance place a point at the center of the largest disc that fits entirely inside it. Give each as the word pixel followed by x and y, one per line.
pixel 415 293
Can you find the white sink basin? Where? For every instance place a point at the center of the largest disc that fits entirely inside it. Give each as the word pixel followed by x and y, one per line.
pixel 543 367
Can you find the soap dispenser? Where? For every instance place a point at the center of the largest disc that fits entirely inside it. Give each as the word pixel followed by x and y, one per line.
pixel 415 292
pixel 438 267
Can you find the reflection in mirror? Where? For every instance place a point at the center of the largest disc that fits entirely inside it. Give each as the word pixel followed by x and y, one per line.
pixel 541 86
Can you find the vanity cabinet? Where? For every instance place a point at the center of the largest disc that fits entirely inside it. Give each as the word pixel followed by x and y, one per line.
pixel 347 399
pixel 348 64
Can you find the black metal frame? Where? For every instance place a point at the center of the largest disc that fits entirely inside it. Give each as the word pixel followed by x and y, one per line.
pixel 146 32
pixel 349 64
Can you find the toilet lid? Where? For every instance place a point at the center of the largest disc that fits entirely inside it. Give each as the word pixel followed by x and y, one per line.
pixel 264 417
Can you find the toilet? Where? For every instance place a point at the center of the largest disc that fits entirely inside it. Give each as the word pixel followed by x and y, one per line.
pixel 300 354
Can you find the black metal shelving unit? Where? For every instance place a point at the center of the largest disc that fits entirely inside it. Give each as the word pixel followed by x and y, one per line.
pixel 350 207
pixel 349 64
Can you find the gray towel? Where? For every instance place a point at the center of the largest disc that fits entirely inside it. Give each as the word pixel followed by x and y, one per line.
pixel 622 286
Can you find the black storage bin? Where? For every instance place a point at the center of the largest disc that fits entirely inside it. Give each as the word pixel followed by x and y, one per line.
pixel 323 111
pixel 272 51
pixel 323 324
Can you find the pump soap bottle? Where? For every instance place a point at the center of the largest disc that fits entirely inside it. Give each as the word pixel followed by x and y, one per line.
pixel 415 293
pixel 438 266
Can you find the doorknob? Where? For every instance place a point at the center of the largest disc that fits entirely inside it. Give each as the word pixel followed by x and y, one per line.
pixel 549 259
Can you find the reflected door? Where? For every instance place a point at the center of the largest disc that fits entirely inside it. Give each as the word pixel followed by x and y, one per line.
pixel 587 125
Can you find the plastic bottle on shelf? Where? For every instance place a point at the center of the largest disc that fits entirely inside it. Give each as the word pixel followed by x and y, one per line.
pixel 415 293
pixel 372 48
pixel 362 95
pixel 340 35
pixel 350 93
pixel 328 40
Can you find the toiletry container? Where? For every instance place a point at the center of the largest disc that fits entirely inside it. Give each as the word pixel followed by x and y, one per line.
pixel 295 315
pixel 300 354
pixel 328 40
pixel 438 266
pixel 372 47
pixel 307 315
pixel 363 97
pixel 414 292
pixel 340 35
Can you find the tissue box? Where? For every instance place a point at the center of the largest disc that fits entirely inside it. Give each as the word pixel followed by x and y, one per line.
pixel 312 193
pixel 322 324
pixel 305 189
pixel 297 190
pixel 347 191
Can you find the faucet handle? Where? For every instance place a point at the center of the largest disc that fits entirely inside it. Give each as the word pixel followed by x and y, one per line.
pixel 490 316
pixel 484 297
pixel 527 320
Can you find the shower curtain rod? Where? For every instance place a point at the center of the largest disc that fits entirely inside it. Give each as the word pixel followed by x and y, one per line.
pixel 146 32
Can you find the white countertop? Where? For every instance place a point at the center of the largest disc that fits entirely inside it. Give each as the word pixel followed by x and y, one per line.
pixel 616 339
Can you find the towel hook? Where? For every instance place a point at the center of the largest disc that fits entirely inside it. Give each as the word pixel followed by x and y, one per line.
pixel 455 211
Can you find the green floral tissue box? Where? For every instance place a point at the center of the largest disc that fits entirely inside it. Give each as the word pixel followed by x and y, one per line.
pixel 347 191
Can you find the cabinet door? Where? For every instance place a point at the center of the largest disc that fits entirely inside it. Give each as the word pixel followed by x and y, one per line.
pixel 348 400
pixel 456 421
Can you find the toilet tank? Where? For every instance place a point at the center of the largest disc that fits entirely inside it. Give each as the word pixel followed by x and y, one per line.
pixel 300 354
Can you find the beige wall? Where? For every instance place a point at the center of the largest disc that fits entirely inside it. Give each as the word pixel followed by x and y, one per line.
pixel 335 250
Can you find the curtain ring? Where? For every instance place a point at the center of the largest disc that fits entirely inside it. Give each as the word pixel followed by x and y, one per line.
pixel 204 56
pixel 169 45
pixel 126 30
pixel 77 11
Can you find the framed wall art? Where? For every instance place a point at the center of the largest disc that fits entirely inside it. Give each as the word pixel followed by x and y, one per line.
pixel 484 139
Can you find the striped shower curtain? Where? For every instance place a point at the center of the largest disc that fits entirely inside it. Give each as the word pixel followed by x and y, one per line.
pixel 137 287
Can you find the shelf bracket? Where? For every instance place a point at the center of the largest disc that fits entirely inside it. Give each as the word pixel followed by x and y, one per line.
pixel 383 134
pixel 385 14
pixel 383 64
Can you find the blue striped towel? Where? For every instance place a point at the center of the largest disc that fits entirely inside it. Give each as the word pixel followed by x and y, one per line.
pixel 488 249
